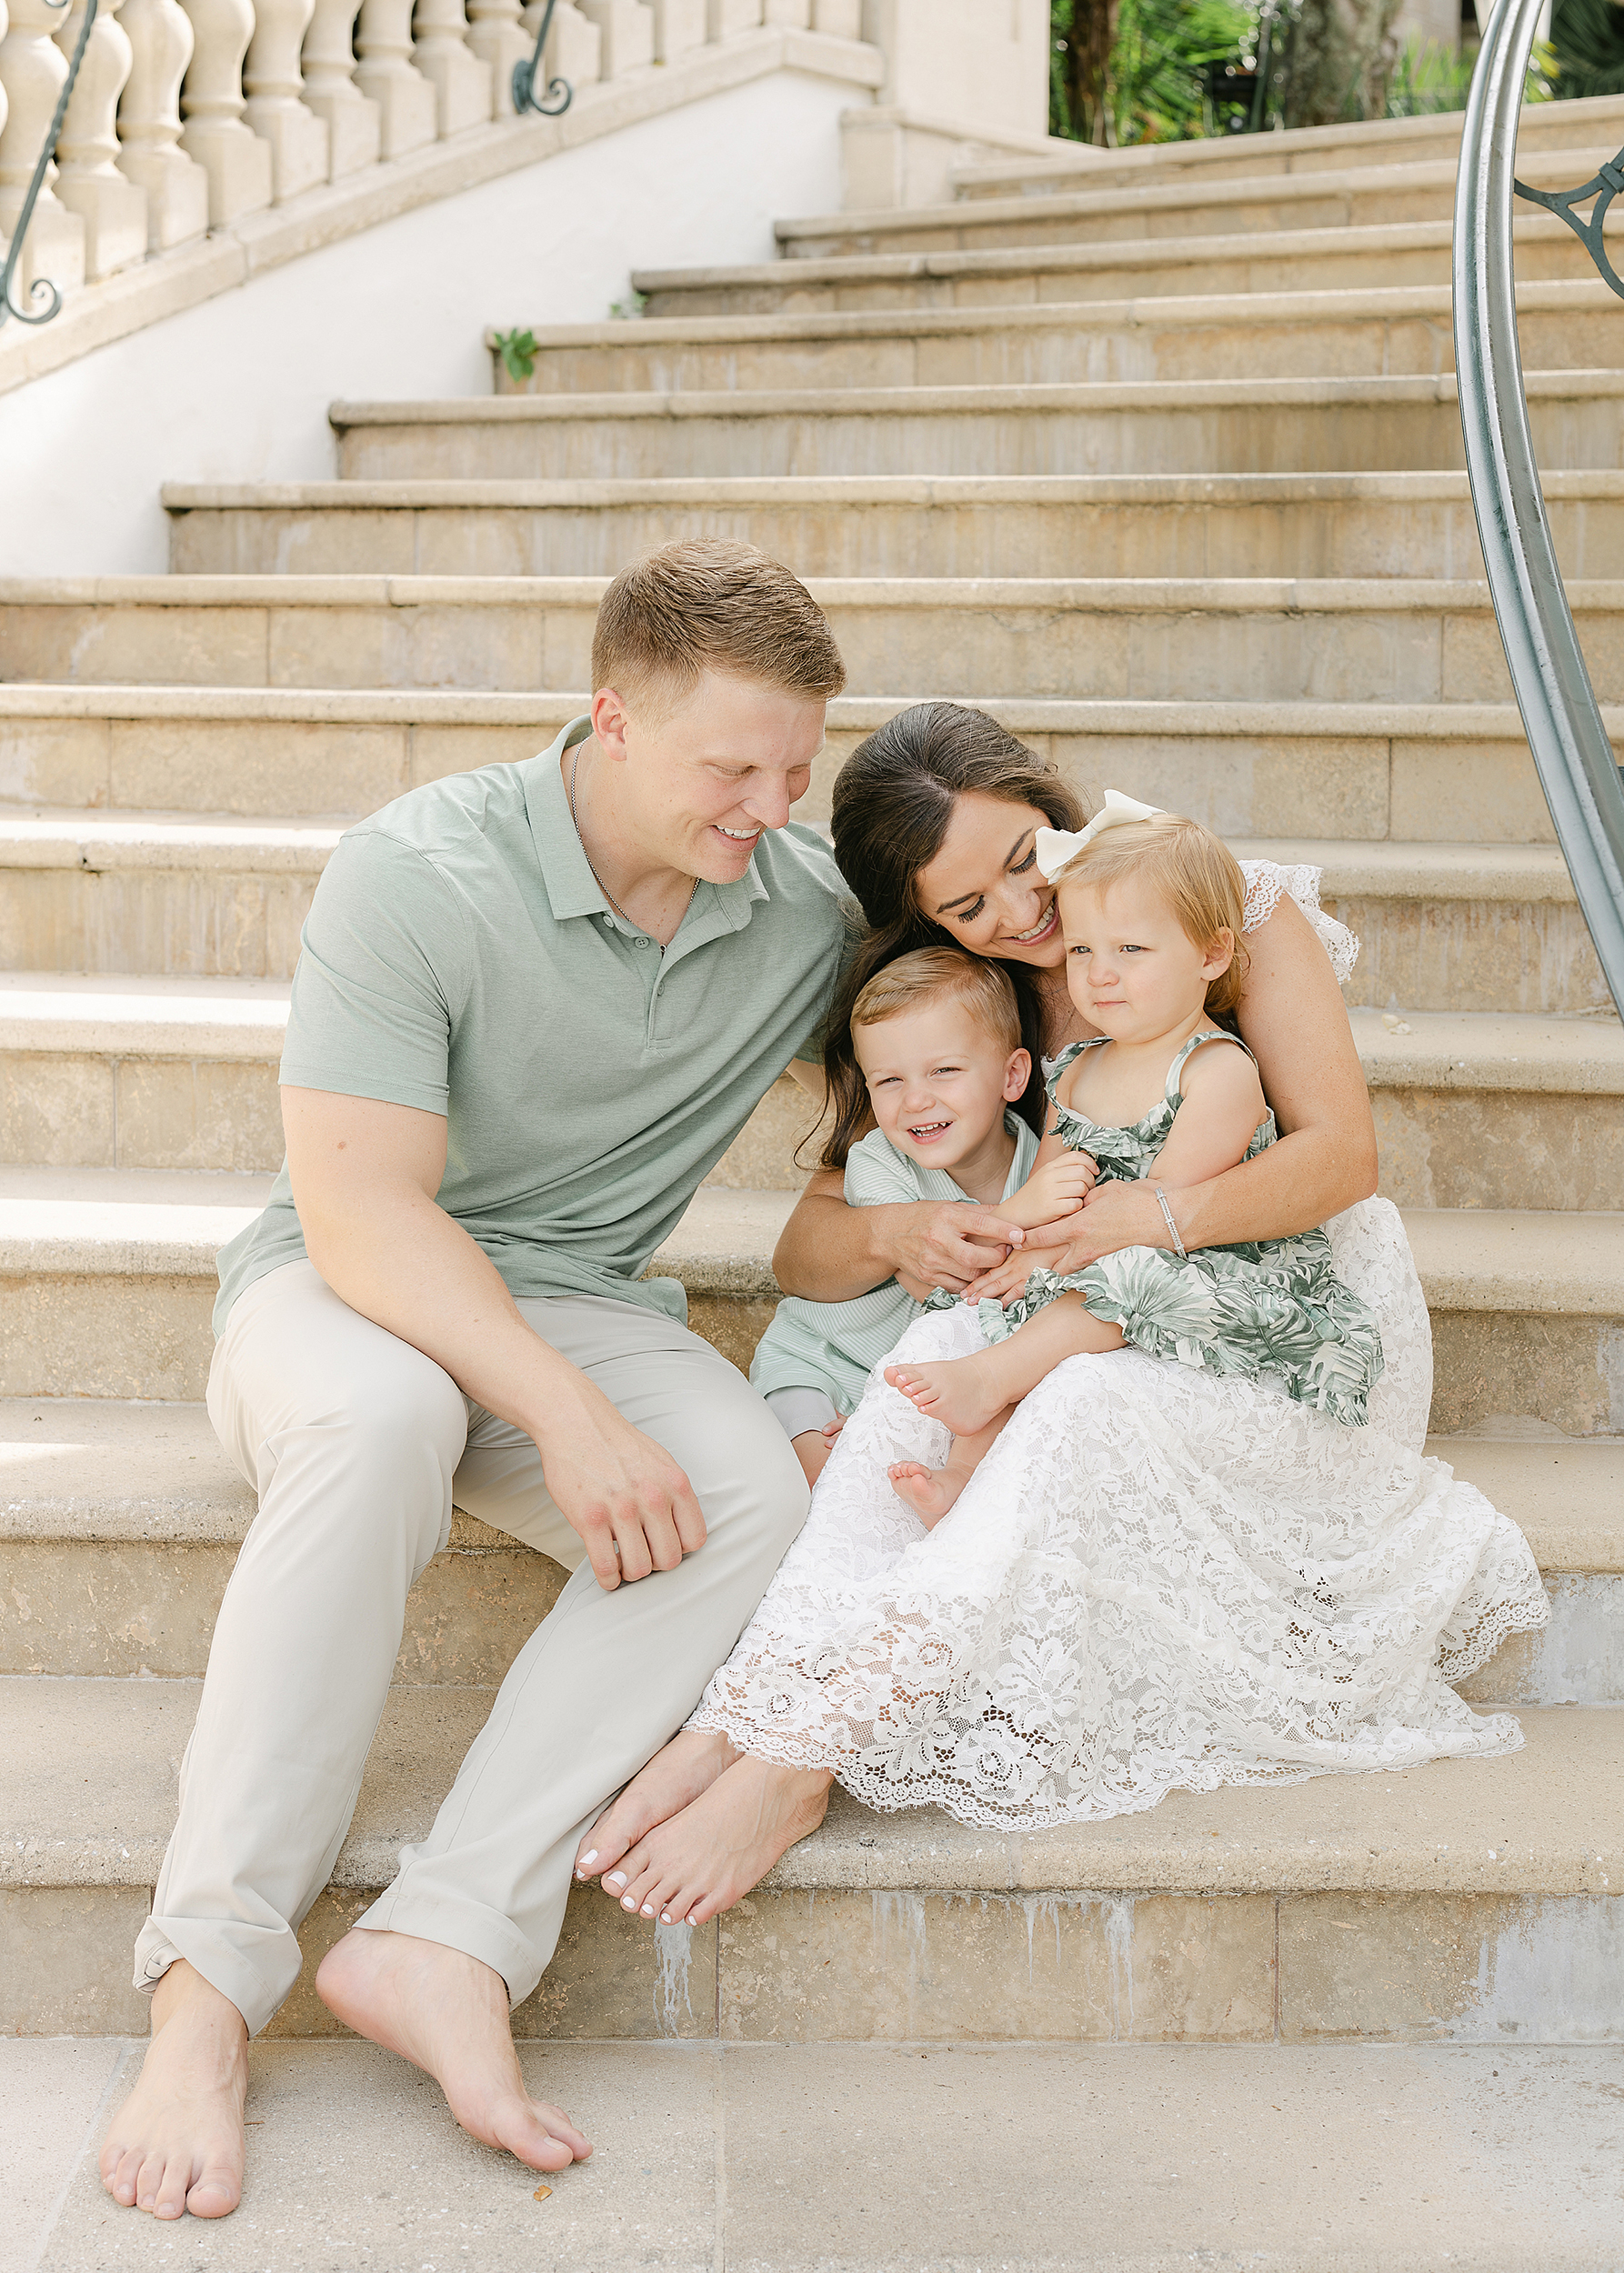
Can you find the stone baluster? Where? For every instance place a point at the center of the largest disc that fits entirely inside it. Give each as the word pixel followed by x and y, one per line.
pixel 276 108
pixel 386 77
pixel 796 16
pixel 177 187
pixel 88 182
pixel 461 84
pixel 841 19
pixel 237 163
pixel 574 49
pixel 497 37
pixel 32 71
pixel 627 29
pixel 353 135
pixel 723 18
pixel 678 26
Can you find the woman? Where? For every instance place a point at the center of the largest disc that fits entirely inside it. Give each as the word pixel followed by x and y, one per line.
pixel 1158 1579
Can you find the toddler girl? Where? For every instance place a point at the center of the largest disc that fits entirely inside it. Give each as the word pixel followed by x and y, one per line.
pixel 937 1034
pixel 1151 909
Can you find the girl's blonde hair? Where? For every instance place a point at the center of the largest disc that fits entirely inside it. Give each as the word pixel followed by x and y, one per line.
pixel 1194 871
pixel 984 988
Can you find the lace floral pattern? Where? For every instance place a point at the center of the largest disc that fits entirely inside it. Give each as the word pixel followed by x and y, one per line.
pixel 1156 1580
pixel 1265 882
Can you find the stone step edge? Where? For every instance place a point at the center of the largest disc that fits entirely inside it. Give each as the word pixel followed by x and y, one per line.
pixel 1534 1262
pixel 1263 245
pixel 1602 484
pixel 1551 168
pixel 1487 1052
pixel 1548 1819
pixel 1152 312
pixel 411 705
pixel 96 841
pixel 1150 397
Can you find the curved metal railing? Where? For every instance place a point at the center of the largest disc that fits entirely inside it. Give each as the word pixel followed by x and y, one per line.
pixel 1575 761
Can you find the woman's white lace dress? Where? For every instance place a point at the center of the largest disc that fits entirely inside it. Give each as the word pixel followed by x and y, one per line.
pixel 1158 1579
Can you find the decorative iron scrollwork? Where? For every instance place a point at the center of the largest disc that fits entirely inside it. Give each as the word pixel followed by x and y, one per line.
pixel 1604 187
pixel 560 94
pixel 42 286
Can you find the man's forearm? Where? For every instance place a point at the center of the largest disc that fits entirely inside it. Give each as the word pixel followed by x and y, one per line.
pixel 829 1252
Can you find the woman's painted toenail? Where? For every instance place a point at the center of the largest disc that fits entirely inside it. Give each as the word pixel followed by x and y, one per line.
pixel 626 1902
pixel 648 1909
pixel 615 1878
pixel 589 1857
pixel 665 1917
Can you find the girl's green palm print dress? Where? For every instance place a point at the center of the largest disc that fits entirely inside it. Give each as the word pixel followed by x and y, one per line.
pixel 1269 1309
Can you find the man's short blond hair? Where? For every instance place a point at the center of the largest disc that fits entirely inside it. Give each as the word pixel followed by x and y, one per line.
pixel 710 604
pixel 1193 870
pixel 930 974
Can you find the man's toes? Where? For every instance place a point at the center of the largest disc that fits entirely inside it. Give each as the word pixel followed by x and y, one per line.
pixel 517 2124
pixel 121 2169
pixel 217 2194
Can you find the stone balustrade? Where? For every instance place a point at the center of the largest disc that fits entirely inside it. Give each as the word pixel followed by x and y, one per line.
pixel 191 114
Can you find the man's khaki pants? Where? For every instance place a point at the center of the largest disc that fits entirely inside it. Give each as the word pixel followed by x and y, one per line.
pixel 355 1443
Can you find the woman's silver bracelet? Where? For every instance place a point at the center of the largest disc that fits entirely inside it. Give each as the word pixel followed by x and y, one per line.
pixel 1168 1219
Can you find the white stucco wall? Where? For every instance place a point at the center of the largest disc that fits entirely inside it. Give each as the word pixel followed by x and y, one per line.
pixel 237 389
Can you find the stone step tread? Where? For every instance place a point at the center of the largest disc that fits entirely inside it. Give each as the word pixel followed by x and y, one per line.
pixel 87 1469
pixel 1182 312
pixel 1546 1820
pixel 1094 594
pixel 1267 247
pixel 878 402
pixel 126 1222
pixel 392 706
pixel 97 840
pixel 247 1019
pixel 1599 484
pixel 1546 169
pixel 1480 2155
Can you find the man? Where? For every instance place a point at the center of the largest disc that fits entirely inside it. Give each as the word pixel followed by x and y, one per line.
pixel 534 1006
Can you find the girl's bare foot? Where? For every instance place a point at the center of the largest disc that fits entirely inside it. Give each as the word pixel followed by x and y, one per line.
pixel 929 1492
pixel 959 1392
pixel 447 2013
pixel 675 1777
pixel 702 1860
pixel 177 2143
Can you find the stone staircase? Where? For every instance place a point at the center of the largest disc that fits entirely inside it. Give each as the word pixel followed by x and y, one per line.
pixel 1158 458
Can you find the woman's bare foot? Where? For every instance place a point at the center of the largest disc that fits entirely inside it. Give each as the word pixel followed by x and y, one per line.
pixel 673 1780
pixel 702 1860
pixel 929 1492
pixel 177 2143
pixel 449 2014
pixel 959 1392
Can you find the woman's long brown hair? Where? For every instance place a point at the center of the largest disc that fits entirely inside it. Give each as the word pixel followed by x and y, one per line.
pixel 893 800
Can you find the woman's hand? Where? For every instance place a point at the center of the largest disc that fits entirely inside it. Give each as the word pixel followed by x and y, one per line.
pixel 1116 1214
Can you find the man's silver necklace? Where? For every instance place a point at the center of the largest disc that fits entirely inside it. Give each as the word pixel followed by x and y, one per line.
pixel 574 764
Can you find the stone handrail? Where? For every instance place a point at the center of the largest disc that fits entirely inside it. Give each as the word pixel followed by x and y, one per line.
pixel 188 116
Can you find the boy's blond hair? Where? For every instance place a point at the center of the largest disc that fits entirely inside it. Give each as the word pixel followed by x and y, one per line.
pixel 1194 871
pixel 928 974
pixel 709 603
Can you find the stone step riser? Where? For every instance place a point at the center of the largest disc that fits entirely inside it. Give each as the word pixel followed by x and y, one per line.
pixel 1313 261
pixel 71 1333
pixel 1355 345
pixel 1196 643
pixel 1512 954
pixel 1291 437
pixel 1095 1967
pixel 111 1609
pixel 1339 782
pixel 1439 1148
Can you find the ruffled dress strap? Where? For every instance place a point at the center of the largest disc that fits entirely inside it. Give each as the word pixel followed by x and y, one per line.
pixel 1267 880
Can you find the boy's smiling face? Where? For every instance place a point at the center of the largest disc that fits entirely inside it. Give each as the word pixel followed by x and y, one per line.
pixel 937 1080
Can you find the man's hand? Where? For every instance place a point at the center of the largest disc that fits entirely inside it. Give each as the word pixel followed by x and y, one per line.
pixel 947 1243
pixel 632 1505
pixel 1116 1214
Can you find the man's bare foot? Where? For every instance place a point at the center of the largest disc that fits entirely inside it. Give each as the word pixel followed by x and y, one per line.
pixel 959 1392
pixel 929 1492
pixel 448 2012
pixel 673 1780
pixel 702 1860
pixel 177 2143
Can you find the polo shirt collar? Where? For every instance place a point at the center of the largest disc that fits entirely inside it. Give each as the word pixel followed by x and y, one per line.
pixel 572 889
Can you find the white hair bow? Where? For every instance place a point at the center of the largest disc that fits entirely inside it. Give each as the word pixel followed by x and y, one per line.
pixel 1056 847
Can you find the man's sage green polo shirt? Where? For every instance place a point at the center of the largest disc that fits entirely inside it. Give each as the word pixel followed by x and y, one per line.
pixel 460 956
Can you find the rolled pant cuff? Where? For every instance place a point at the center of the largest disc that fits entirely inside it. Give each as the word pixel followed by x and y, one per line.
pixel 208 1949
pixel 470 1926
